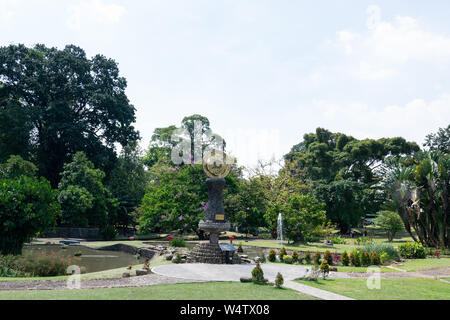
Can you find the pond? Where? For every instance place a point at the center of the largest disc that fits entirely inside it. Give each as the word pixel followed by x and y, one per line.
pixel 91 260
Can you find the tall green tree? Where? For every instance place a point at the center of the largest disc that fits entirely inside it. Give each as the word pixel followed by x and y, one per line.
pixel 345 171
pixel 127 183
pixel 85 201
pixel 67 102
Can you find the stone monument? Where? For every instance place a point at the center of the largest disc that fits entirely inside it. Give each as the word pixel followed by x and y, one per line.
pixel 216 167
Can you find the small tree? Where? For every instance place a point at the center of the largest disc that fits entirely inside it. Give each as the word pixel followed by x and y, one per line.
pixel 282 253
pixel 316 258
pixel 272 256
pixel 329 257
pixel 391 222
pixel 279 280
pixel 258 274
pixel 325 268
pixel 295 256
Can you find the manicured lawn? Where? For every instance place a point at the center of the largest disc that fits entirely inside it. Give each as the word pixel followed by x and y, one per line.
pixel 340 268
pixel 422 264
pixel 391 289
pixel 184 291
pixel 106 274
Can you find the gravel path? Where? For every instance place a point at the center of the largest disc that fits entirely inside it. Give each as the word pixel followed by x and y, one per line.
pixel 142 281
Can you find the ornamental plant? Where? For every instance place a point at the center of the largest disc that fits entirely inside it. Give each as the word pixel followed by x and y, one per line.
pixel 258 274
pixel 288 259
pixel 272 256
pixel 412 250
pixel 295 256
pixel 316 258
pixel 375 259
pixel 365 259
pixel 308 257
pixel 282 253
pixel 327 256
pixel 324 268
pixel 345 259
pixel 355 258
pixel 279 280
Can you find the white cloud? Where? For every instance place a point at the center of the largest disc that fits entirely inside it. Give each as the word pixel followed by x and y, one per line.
pixel 7 11
pixel 93 11
pixel 380 51
pixel 414 120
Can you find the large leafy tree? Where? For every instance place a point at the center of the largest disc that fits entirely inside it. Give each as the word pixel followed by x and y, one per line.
pixel 439 141
pixel 62 102
pixel 344 171
pixel 85 201
pixel 127 183
pixel 28 205
pixel 419 190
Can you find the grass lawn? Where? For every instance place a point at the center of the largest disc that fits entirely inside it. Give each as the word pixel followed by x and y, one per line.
pixel 183 291
pixel 340 268
pixel 106 274
pixel 391 289
pixel 422 264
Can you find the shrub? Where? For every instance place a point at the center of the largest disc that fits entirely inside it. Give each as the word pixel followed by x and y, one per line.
pixel 391 252
pixel 78 253
pixel 46 266
pixel 109 233
pixel 282 253
pixel 9 266
pixel 263 258
pixel 295 256
pixel 327 256
pixel 288 259
pixel 355 259
pixel 412 250
pixel 279 280
pixel 336 258
pixel 345 259
pixel 258 274
pixel 272 256
pixel 177 258
pixel 308 257
pixel 325 268
pixel 338 240
pixel 316 258
pixel 27 206
pixel 375 259
pixel 365 259
pixel 177 242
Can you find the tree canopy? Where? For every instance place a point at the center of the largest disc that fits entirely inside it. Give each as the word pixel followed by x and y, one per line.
pixel 61 102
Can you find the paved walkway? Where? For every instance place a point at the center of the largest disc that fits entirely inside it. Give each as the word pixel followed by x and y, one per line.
pixel 224 272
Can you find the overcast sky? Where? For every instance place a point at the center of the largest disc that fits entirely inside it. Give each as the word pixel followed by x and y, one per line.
pixel 263 72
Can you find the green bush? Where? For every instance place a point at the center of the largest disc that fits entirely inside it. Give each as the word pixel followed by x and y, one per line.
pixel 308 257
pixel 345 259
pixel 391 252
pixel 375 259
pixel 316 258
pixel 27 206
pixel 109 233
pixel 288 259
pixel 177 242
pixel 272 256
pixel 325 268
pixel 177 258
pixel 412 250
pixel 46 266
pixel 355 259
pixel 282 253
pixel 338 240
pixel 329 257
pixel 295 256
pixel 279 280
pixel 258 274
pixel 365 259
pixel 8 266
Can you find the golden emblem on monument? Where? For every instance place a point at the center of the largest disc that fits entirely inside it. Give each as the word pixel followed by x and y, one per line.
pixel 216 164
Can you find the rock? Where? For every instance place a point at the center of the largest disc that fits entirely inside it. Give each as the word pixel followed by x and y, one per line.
pixel 169 257
pixel 126 275
pixel 244 256
pixel 142 272
pixel 244 279
pixel 257 259
pixel 334 269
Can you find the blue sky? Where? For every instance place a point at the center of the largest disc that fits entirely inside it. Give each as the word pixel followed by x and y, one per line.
pixel 263 72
